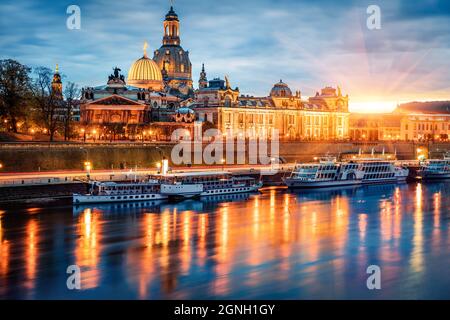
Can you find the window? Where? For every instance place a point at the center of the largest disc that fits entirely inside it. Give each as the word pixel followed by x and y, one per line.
pixel 291 119
pixel 227 102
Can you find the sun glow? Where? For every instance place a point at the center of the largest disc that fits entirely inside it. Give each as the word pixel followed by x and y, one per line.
pixel 372 106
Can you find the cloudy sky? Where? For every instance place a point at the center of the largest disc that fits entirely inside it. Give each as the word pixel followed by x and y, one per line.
pixel 308 44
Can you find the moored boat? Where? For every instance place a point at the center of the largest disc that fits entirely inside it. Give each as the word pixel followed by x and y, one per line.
pixel 381 171
pixel 327 173
pixel 107 192
pixel 207 184
pixel 436 169
pixel 173 186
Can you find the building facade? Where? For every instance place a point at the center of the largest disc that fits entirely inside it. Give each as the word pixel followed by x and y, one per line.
pixel 401 125
pixel 324 116
pixel 422 126
pixel 117 107
pixel 155 89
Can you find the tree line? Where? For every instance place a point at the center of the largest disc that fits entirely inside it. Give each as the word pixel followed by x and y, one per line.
pixel 27 101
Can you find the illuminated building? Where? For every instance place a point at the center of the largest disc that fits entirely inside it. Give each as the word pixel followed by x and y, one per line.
pixel 118 103
pixel 324 116
pixel 57 84
pixel 425 127
pixel 156 88
pixel 173 60
pixel 57 92
pixel 410 122
pixel 145 74
pixel 364 126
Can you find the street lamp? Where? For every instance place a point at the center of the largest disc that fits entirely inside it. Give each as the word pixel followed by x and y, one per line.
pixel 158 165
pixel 223 163
pixel 88 167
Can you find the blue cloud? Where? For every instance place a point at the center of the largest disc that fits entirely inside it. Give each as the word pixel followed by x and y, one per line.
pixel 307 44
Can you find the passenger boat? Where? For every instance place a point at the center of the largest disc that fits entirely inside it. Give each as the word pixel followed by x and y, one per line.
pixel 329 173
pixel 107 192
pixel 436 169
pixel 206 184
pixel 381 171
pixel 175 186
pixel 326 173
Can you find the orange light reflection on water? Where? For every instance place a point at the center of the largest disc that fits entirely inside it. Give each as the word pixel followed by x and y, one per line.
pixel 87 249
pixel 31 252
pixel 416 260
pixel 4 258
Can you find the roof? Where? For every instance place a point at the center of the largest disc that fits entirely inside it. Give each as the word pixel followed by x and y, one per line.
pixel 185 110
pixel 194 174
pixel 441 107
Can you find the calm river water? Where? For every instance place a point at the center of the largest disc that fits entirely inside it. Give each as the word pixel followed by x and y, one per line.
pixel 276 245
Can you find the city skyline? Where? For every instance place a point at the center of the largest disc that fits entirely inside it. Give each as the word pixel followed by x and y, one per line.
pixel 255 43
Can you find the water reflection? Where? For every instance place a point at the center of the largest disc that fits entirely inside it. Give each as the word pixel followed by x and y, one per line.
pixel 31 253
pixel 4 257
pixel 276 244
pixel 87 249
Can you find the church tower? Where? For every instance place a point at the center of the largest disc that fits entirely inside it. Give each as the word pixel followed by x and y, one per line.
pixel 57 84
pixel 202 81
pixel 171 29
pixel 173 60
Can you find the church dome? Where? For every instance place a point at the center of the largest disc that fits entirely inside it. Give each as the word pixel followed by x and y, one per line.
pixel 280 89
pixel 145 73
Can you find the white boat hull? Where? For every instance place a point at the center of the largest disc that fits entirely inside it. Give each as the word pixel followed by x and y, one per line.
pixel 86 198
pixel 435 176
pixel 181 191
pixel 387 180
pixel 231 190
pixel 296 183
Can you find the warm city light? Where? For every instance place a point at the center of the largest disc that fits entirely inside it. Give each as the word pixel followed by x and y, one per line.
pixel 266 150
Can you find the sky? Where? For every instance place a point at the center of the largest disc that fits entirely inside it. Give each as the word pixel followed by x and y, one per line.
pixel 308 44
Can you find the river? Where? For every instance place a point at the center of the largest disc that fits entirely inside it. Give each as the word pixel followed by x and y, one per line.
pixel 275 244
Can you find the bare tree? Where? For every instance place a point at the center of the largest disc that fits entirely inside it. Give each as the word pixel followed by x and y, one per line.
pixel 14 92
pixel 46 103
pixel 72 93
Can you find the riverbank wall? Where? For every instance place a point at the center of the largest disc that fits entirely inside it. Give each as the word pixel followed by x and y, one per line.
pixel 50 157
